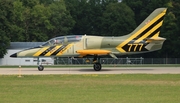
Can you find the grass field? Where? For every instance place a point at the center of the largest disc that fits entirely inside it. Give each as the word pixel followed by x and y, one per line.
pixel 90 88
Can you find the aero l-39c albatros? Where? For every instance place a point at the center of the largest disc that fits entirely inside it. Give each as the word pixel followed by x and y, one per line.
pixel 145 38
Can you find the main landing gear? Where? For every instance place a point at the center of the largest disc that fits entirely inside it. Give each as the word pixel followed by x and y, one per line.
pixel 97 66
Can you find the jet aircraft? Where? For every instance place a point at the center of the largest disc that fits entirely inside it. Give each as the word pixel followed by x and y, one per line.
pixel 145 38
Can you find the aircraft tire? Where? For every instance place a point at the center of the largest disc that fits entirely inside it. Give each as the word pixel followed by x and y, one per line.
pixel 40 68
pixel 97 67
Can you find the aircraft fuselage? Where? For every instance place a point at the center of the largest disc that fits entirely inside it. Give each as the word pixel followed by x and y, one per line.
pixel 88 44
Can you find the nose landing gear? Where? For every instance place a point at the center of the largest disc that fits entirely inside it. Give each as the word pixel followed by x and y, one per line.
pixel 40 68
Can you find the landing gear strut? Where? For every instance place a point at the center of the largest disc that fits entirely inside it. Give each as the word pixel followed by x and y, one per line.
pixel 40 68
pixel 97 66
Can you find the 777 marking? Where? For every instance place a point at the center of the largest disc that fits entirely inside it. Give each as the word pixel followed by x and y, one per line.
pixel 131 46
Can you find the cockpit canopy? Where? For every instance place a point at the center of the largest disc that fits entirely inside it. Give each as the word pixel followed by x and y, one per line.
pixel 63 40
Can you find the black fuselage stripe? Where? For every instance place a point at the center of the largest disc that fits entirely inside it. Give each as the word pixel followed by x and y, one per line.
pixel 125 47
pixel 143 48
pixel 46 51
pixel 58 50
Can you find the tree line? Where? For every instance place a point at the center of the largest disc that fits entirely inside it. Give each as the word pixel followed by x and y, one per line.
pixel 40 20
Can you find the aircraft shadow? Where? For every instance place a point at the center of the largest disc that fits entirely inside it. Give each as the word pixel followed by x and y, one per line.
pixel 104 70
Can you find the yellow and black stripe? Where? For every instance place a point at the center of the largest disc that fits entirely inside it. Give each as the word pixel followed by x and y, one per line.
pixel 52 51
pixel 148 35
pixel 46 51
pixel 58 50
pixel 150 30
pixel 39 52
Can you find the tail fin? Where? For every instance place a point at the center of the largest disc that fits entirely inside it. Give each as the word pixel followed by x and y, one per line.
pixel 148 29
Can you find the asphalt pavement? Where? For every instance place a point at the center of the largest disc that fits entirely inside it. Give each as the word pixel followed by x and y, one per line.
pixel 89 70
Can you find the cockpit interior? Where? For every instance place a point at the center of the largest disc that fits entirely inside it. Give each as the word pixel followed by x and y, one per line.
pixel 62 40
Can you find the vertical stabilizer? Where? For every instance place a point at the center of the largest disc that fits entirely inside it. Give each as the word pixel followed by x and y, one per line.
pixel 148 29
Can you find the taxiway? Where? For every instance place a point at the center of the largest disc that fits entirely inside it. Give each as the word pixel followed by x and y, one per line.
pixel 89 70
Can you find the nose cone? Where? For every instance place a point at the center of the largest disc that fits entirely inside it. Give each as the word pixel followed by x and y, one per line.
pixel 14 55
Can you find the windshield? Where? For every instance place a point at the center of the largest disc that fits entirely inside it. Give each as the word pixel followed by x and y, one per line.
pixel 63 40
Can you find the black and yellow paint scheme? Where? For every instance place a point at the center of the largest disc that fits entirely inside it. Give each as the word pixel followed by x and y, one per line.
pixel 145 38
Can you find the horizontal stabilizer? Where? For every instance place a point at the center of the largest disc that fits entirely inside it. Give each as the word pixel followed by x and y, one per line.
pixel 155 39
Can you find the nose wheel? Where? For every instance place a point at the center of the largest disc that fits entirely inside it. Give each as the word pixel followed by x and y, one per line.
pixel 40 68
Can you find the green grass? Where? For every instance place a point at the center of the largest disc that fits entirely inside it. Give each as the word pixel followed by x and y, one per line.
pixel 90 88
